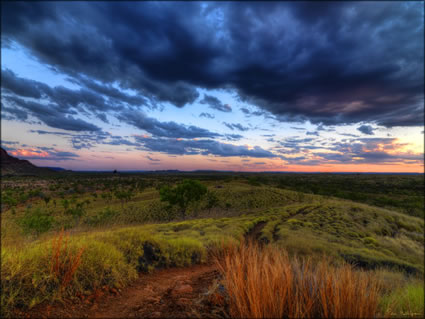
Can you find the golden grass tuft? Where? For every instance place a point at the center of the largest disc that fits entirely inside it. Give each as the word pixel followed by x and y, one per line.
pixel 263 282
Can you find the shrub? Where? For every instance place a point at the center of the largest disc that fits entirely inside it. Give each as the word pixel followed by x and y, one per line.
pixel 212 200
pixel 295 223
pixel 183 194
pixel 36 221
pixel 102 217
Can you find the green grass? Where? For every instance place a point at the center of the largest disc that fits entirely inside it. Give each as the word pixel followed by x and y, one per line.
pixel 111 258
pixel 121 239
pixel 404 301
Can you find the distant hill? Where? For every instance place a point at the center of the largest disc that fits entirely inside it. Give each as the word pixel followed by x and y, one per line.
pixel 56 169
pixel 14 166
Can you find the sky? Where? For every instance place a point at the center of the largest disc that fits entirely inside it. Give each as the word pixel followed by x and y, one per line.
pixel 267 86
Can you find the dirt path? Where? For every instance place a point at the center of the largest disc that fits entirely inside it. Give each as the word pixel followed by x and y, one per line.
pixel 167 293
pixel 255 233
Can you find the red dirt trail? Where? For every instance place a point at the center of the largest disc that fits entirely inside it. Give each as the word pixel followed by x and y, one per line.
pixel 167 293
pixel 189 292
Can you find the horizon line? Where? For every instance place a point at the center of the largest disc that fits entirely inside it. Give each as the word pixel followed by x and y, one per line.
pixel 228 171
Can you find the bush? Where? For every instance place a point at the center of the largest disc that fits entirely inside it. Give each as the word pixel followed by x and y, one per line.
pixel 36 221
pixel 183 194
pixel 102 217
pixel 295 223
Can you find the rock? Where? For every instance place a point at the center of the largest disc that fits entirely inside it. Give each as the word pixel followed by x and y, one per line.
pixel 182 289
pixel 156 314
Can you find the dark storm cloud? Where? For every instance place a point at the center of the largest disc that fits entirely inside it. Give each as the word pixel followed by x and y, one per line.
pixel 65 99
pixel 207 115
pixel 117 96
pixel 203 147
pixel 92 97
pixel 84 140
pixel 366 129
pixel 50 115
pixel 236 126
pixel 215 103
pixel 163 129
pixel 21 86
pixel 13 113
pixel 344 62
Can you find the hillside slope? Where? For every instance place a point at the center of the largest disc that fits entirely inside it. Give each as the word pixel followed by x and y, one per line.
pixel 13 166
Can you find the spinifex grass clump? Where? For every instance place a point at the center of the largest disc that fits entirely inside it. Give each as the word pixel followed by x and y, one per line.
pixel 63 262
pixel 266 283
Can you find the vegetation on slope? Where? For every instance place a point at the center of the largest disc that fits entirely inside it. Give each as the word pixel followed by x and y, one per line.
pixel 403 193
pixel 111 240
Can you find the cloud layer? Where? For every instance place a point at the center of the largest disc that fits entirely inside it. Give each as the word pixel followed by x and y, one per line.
pixel 334 63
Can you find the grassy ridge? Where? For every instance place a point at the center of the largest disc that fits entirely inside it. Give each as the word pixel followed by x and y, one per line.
pixel 110 258
pixel 368 236
pixel 116 242
pixel 113 258
pixel 403 193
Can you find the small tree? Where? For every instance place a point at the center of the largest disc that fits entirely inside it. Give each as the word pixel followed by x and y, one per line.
pixel 77 211
pixel 122 196
pixel 46 199
pixel 183 194
pixel 65 204
pixel 212 200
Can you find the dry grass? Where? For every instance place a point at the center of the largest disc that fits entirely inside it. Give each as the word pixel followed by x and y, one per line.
pixel 63 263
pixel 262 282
